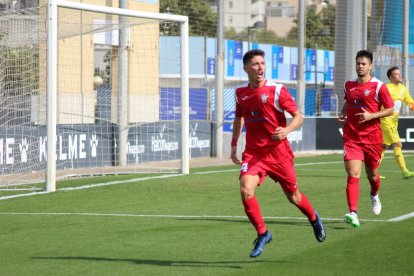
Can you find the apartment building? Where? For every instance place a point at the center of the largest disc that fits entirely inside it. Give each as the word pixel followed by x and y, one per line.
pixel 278 15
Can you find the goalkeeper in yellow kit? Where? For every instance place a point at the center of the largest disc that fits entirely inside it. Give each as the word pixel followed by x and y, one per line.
pixel 389 125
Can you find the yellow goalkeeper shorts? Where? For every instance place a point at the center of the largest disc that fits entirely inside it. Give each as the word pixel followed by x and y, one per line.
pixel 390 132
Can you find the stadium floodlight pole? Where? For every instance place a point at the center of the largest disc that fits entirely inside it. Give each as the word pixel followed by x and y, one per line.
pixel 122 88
pixel 364 23
pixel 219 80
pixel 52 70
pixel 256 25
pixel 405 44
pixel 51 95
pixel 301 61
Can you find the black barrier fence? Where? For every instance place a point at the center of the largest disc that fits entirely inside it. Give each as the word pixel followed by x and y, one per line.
pixel 24 149
pixel 329 133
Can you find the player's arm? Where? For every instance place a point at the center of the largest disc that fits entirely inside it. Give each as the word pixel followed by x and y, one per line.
pixel 408 100
pixel 366 116
pixel 282 132
pixel 237 128
pixel 342 116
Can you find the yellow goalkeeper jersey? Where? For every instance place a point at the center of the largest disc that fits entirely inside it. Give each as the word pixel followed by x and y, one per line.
pixel 399 94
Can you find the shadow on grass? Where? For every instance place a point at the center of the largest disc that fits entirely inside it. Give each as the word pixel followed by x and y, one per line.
pixel 224 264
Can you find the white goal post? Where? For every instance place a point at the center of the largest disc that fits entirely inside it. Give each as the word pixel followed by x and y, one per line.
pixel 52 71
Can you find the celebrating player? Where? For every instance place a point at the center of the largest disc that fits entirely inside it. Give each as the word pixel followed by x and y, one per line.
pixel 260 106
pixel 362 137
pixel 389 125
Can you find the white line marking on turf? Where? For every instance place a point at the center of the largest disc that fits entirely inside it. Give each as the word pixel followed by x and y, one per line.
pixel 21 195
pixel 404 217
pixel 222 171
pixel 119 182
pixel 156 177
pixel 400 218
pixel 94 185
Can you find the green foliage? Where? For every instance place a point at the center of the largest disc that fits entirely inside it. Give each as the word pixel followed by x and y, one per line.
pixel 316 24
pixel 202 20
pixel 261 36
pixel 20 68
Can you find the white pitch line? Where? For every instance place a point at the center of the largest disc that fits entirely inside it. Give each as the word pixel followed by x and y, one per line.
pixel 94 185
pixel 155 177
pixel 21 195
pixel 396 219
pixel 119 182
pixel 403 217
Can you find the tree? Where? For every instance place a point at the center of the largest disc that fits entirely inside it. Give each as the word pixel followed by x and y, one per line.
pixel 315 25
pixel 20 69
pixel 202 20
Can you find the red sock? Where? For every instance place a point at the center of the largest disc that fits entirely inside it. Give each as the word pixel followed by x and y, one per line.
pixel 352 193
pixel 252 209
pixel 306 208
pixel 375 186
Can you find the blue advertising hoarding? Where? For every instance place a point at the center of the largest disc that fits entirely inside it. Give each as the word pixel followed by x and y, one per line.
pixel 170 103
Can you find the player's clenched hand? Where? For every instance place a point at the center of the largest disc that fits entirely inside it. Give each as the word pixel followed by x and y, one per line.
pixel 233 155
pixel 280 133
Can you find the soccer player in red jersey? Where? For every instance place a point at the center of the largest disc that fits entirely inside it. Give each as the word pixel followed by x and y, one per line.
pixel 261 107
pixel 366 101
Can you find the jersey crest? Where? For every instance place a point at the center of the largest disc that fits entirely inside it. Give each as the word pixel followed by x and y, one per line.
pixel 264 98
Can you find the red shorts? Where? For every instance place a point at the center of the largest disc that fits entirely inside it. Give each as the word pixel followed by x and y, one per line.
pixel 369 153
pixel 282 172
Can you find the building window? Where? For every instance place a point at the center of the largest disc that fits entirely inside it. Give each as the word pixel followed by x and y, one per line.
pixel 230 4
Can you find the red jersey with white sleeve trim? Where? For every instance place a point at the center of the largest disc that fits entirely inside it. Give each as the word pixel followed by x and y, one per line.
pixel 369 96
pixel 263 111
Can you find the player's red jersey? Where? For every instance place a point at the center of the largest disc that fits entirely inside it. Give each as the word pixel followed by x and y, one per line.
pixel 263 111
pixel 369 96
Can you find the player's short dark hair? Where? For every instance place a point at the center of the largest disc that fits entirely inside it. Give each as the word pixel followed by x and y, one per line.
pixel 392 69
pixel 251 54
pixel 366 54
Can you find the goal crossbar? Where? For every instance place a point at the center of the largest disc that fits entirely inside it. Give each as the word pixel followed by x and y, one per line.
pixel 52 57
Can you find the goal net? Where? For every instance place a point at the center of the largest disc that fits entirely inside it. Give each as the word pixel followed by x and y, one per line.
pixel 94 78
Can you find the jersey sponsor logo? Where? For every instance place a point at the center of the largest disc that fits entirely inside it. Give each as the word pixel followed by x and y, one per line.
pixel 264 98
pixel 357 101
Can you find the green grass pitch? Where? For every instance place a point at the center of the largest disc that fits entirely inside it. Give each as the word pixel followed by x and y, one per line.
pixel 195 225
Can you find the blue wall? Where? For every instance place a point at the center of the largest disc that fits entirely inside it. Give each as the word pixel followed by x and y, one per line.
pixel 281 60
